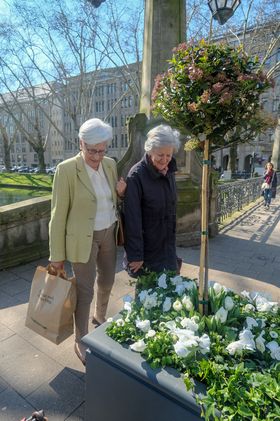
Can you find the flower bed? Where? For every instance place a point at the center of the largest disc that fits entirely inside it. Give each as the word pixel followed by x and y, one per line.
pixel 234 351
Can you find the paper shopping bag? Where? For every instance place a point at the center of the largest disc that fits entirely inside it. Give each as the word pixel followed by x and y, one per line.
pixel 51 305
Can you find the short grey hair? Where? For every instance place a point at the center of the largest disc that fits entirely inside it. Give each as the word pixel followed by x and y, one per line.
pixel 162 136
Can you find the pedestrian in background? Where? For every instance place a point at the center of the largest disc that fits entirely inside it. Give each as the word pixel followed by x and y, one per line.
pixel 269 185
pixel 83 223
pixel 150 206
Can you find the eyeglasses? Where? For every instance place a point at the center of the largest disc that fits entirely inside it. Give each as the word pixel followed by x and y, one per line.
pixel 93 152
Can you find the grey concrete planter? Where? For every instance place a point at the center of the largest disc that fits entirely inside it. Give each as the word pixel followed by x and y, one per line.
pixel 121 386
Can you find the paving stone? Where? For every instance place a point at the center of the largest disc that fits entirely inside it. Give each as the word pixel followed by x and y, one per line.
pixel 14 314
pixel 5 332
pixel 56 395
pixel 78 414
pixel 6 301
pixel 6 276
pixel 13 407
pixel 25 368
pixel 19 270
pixel 37 373
pixel 3 386
pixel 28 275
pixel 14 286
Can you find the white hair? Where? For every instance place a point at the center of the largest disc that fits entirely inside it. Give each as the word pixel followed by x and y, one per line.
pixel 162 136
pixel 95 131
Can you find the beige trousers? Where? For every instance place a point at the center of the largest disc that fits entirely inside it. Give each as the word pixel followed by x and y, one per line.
pixel 100 267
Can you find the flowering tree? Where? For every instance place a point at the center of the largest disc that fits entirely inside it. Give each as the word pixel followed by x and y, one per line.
pixel 211 92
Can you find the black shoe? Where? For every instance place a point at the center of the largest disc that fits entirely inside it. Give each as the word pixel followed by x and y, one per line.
pixel 95 322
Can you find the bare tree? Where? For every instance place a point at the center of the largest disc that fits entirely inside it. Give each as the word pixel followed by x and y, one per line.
pixel 62 50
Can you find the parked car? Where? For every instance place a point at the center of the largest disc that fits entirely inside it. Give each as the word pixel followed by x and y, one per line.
pixel 50 170
pixel 14 168
pixel 23 170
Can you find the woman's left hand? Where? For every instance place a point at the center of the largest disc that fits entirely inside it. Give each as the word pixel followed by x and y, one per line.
pixel 121 187
pixel 135 266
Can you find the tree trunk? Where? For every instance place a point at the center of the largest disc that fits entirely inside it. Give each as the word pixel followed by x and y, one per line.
pixel 232 158
pixel 7 148
pixel 203 268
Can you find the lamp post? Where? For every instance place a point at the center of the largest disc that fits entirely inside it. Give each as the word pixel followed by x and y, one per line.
pixel 222 10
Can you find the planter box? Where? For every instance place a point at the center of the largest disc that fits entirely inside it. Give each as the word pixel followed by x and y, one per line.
pixel 121 386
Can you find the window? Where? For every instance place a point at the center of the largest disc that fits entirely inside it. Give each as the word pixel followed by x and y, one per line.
pixel 275 104
pixel 124 141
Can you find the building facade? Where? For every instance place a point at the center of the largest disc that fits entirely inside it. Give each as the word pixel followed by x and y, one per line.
pixel 53 115
pixel 252 157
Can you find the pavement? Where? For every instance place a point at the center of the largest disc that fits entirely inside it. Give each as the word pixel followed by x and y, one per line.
pixel 37 374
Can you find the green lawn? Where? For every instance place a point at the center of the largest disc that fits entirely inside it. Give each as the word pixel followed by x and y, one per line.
pixel 35 180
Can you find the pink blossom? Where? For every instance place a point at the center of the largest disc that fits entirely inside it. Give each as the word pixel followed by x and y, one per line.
pixel 192 106
pixel 194 73
pixel 205 97
pixel 225 98
pixel 218 87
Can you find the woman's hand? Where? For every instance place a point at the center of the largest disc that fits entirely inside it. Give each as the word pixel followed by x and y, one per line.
pixel 57 265
pixel 121 187
pixel 135 266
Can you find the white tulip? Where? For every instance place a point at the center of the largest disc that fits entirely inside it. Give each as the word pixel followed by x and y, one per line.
pixel 187 302
pixel 151 333
pixel 250 322
pixel 177 305
pixel 229 303
pixel 217 288
pixel 138 346
pixel 181 349
pixel 189 324
pixel 143 325
pixel 260 343
pixel 127 306
pixel 249 307
pixel 221 315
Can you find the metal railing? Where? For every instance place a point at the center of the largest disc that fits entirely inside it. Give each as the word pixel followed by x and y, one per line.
pixel 233 196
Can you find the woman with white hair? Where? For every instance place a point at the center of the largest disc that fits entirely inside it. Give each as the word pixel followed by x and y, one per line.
pixel 83 222
pixel 150 205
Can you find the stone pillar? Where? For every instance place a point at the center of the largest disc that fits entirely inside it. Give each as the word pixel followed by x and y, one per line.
pixel 165 28
pixel 276 147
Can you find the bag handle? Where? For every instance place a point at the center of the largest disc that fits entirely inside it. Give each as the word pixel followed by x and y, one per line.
pixel 56 272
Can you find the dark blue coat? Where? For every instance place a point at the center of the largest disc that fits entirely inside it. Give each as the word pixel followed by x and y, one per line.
pixel 150 216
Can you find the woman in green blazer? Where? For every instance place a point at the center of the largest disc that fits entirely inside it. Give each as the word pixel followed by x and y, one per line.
pixel 83 221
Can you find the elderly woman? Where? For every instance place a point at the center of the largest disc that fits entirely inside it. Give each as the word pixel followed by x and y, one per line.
pixel 150 205
pixel 83 221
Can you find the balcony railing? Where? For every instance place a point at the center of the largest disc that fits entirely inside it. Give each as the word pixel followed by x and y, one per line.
pixel 233 196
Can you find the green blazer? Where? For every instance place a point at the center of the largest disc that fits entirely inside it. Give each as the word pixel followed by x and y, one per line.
pixel 73 209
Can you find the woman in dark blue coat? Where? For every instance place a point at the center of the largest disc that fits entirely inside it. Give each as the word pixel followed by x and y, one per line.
pixel 150 205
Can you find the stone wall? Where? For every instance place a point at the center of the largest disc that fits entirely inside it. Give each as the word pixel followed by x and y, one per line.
pixel 24 231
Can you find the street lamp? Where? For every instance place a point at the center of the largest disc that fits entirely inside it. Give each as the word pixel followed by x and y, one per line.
pixel 222 10
pixel 96 3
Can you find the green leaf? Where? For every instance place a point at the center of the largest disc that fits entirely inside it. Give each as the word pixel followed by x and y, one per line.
pixel 244 410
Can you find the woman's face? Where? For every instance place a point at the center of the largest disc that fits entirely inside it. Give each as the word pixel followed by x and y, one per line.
pixel 161 157
pixel 94 154
pixel 269 167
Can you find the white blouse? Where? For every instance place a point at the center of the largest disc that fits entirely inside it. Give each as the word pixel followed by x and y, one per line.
pixel 105 213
